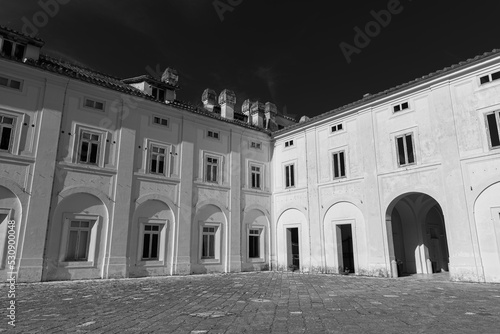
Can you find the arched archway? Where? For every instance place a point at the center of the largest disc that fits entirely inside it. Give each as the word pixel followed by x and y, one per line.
pixel 77 238
pixel 151 239
pixel 209 240
pixel 344 230
pixel 255 240
pixel 417 235
pixel 293 246
pixel 487 219
pixel 10 210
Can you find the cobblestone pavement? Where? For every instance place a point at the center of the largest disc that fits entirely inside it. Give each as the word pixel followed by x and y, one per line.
pixel 265 302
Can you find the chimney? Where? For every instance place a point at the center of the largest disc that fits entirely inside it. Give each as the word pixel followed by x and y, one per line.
pixel 227 101
pixel 257 113
pixel 170 77
pixel 245 109
pixel 270 112
pixel 209 99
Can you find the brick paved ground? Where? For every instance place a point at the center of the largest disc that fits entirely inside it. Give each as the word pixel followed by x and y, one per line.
pixel 266 302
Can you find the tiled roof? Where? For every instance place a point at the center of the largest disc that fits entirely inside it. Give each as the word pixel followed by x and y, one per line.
pixel 34 40
pixel 149 78
pixel 373 97
pixel 81 73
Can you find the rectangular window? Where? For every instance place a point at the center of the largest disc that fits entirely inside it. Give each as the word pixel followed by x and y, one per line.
pixel 89 148
pixel 157 159
pixel 208 243
pixel 289 176
pixel 254 243
pixel 151 242
pixel 401 107
pixel 6 132
pixel 337 127
pixel 158 94
pixel 213 134
pixel 493 123
pixel 160 121
pixel 338 164
pixel 11 83
pixel 255 176
pixel 78 241
pixel 490 77
pixel 12 49
pixel 289 143
pixel 405 149
pixel 212 168
pixel 7 47
pixel 19 51
pixel 256 145
pixel 94 104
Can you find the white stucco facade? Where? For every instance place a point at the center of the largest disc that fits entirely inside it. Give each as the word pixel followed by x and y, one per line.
pixel 105 182
pixel 446 200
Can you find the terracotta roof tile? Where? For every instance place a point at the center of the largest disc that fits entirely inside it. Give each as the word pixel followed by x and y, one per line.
pixel 88 75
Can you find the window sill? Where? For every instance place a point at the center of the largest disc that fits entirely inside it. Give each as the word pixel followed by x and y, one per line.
pixel 401 112
pixel 76 264
pixel 255 260
pixel 407 165
pixel 152 263
pixel 336 133
pixel 19 159
pixel 156 177
pixel 256 191
pixel 88 168
pixel 210 185
pixel 210 261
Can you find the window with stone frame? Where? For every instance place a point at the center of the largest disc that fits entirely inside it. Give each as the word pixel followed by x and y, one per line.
pixel 405 149
pixel 493 128
pixel 151 242
pixel 7 127
pixel 89 147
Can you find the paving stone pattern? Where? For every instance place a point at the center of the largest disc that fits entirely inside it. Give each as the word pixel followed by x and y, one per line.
pixel 265 302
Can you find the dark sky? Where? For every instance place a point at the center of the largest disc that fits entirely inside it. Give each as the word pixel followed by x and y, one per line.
pixel 286 52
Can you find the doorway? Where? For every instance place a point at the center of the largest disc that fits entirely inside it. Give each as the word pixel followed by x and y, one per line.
pixel 293 255
pixel 345 249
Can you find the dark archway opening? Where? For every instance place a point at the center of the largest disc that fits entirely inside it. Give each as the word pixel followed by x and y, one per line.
pixel 418 235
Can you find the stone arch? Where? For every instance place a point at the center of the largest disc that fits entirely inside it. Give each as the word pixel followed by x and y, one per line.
pixel 210 238
pixel 160 198
pixel 344 239
pixel 255 247
pixel 84 190
pixel 293 206
pixel 416 234
pixel 74 205
pixel 292 241
pixel 487 221
pixel 10 210
pixel 150 252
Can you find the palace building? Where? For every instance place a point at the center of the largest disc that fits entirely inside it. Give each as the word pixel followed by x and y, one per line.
pixel 110 178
